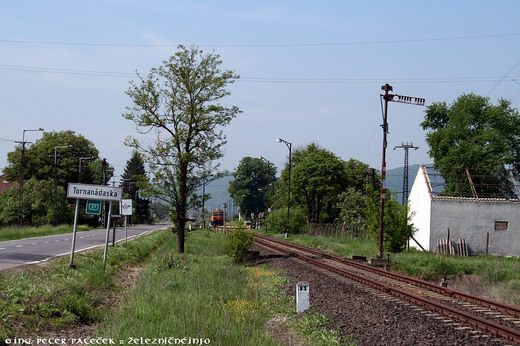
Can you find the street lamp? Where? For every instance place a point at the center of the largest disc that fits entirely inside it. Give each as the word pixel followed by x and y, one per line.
pixel 289 146
pixel 55 178
pixel 21 171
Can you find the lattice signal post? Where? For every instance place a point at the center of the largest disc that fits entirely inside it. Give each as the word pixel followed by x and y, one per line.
pixel 405 147
pixel 387 97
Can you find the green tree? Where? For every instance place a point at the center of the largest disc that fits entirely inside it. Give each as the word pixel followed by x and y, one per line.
pixel 397 229
pixel 473 133
pixel 180 102
pixel 41 163
pixel 39 204
pixel 54 158
pixel 360 175
pixel 319 176
pixel 134 179
pixel 251 187
pixel 353 211
pixel 277 220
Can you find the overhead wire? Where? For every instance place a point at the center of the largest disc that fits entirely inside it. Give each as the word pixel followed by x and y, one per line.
pixel 504 77
pixel 304 44
pixel 37 69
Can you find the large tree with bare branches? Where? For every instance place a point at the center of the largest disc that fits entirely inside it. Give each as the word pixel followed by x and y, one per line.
pixel 179 103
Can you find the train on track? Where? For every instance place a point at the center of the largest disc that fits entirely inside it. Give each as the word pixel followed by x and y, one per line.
pixel 217 218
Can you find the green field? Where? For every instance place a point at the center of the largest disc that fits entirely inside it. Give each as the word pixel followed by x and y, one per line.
pixel 14 233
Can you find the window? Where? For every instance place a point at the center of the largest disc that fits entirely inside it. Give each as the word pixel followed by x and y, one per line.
pixel 501 225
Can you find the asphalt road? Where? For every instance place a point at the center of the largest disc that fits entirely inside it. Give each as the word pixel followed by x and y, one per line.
pixel 15 253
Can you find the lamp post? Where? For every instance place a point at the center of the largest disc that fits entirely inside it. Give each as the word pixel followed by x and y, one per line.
pixel 55 178
pixel 22 163
pixel 289 146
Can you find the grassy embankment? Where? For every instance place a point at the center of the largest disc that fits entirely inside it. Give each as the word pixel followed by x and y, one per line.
pixel 203 294
pixel 14 233
pixel 43 299
pixel 494 277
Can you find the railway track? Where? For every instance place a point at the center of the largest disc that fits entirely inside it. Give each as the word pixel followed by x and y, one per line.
pixel 493 318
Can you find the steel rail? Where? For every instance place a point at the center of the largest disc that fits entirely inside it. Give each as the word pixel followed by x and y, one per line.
pixel 490 327
pixel 509 309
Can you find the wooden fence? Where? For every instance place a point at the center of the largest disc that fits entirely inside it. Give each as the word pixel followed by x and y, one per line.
pixel 334 230
pixel 450 247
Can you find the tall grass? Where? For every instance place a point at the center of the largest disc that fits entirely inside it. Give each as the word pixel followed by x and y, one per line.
pixel 14 233
pixel 202 294
pixel 53 296
pixel 344 246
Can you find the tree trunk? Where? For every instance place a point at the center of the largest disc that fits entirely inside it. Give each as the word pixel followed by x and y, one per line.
pixel 181 223
pixel 181 208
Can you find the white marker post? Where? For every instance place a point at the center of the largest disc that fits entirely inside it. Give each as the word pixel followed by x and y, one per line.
pixel 125 208
pixel 92 192
pixel 302 296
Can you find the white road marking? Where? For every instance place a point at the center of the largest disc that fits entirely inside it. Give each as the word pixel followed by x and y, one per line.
pixel 34 244
pixel 46 242
pixel 3 248
pixel 19 245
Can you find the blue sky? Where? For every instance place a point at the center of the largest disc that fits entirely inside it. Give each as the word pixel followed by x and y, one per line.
pixel 311 71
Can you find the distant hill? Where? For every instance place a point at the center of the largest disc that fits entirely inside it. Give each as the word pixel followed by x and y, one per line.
pixel 394 179
pixel 218 190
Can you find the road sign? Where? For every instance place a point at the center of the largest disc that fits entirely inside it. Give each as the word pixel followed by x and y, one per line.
pixel 125 207
pixel 93 208
pixel 94 192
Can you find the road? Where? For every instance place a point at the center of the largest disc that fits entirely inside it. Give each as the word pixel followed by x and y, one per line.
pixel 15 253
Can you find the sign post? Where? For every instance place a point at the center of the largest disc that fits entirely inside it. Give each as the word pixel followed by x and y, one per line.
pixel 126 209
pixel 91 192
pixel 74 228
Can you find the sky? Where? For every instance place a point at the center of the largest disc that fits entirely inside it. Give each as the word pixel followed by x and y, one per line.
pixel 310 71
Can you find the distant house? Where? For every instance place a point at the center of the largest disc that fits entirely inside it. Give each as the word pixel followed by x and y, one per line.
pixel 488 225
pixel 4 184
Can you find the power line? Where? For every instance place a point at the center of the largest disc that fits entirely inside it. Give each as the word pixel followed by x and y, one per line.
pixel 265 79
pixel 268 45
pixel 504 77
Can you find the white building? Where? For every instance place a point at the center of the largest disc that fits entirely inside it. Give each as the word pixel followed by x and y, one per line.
pixel 488 225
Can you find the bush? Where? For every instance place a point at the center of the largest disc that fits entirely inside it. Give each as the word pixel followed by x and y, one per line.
pixel 238 242
pixel 277 220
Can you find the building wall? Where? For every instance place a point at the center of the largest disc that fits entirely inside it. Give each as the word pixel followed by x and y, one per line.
pixel 419 210
pixel 472 220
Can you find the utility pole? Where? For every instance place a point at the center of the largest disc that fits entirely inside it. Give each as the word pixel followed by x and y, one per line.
pixel 405 147
pixel 387 97
pixel 55 177
pixel 289 146
pixel 22 163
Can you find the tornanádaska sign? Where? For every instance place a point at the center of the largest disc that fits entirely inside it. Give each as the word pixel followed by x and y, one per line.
pixel 99 192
